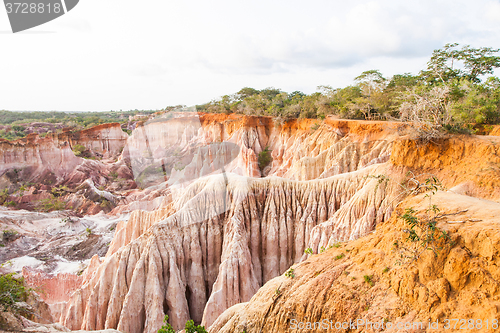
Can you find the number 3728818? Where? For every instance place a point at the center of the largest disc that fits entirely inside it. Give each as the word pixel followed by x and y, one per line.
pixel 32 8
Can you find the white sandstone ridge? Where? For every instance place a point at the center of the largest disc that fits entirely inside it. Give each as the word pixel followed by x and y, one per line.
pixel 224 237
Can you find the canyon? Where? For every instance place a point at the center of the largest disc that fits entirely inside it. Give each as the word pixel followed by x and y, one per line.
pixel 202 216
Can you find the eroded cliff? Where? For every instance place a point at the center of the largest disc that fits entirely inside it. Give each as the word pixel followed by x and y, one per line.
pixel 220 223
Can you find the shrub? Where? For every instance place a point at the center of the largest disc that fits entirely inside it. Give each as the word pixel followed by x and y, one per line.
pixel 264 158
pixel 423 233
pixel 368 279
pixel 4 194
pixel 78 149
pixel 166 328
pixel 340 256
pixel 50 204
pixel 335 245
pixel 192 328
pixel 308 251
pixel 9 233
pixel 12 290
pixel 104 203
pixel 10 204
pixel 290 273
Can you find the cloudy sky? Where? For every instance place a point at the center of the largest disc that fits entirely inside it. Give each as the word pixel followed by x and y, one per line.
pixel 124 54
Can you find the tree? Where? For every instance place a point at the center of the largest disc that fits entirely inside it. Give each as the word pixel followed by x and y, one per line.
pixel 246 92
pixel 475 61
pixel 372 84
pixel 370 81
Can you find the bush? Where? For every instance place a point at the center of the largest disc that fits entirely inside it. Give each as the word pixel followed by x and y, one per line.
pixel 423 233
pixel 264 158
pixel 50 204
pixel 340 256
pixel 12 290
pixel 166 328
pixel 192 328
pixel 10 204
pixel 78 150
pixel 189 328
pixel 368 279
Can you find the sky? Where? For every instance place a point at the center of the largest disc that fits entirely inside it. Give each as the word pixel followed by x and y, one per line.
pixel 123 54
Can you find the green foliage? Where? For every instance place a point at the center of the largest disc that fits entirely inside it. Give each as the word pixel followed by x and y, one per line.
pixel 78 150
pixel 368 279
pixel 88 231
pixel 59 190
pixel 290 273
pixel 475 62
pixel 315 126
pixel 340 256
pixel 67 220
pixel 16 122
pixel 192 328
pixel 12 290
pixel 166 327
pixel 422 232
pixel 308 251
pixel 8 233
pixel 50 204
pixel 264 158
pixel 444 96
pixel 4 194
pixel 104 203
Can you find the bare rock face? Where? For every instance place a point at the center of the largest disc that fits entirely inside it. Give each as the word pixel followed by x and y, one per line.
pixel 106 139
pixel 217 232
pixel 56 288
pixel 361 282
pixel 229 235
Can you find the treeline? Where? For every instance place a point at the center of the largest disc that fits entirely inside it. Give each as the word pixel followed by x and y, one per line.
pixel 17 124
pixel 83 119
pixel 455 90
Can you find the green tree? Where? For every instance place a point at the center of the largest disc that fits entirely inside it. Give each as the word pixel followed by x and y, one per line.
pixel 442 67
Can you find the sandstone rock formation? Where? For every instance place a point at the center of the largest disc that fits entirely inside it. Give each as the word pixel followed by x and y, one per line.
pixel 207 230
pixel 461 282
pixel 229 235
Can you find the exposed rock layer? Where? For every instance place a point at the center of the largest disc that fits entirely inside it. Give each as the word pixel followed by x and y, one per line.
pixel 222 244
pixel 462 282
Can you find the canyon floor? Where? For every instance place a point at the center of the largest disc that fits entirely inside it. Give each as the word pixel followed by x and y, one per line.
pixel 246 224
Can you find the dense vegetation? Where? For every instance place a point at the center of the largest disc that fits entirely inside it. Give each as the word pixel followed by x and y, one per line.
pixel 14 125
pixel 12 290
pixel 453 92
